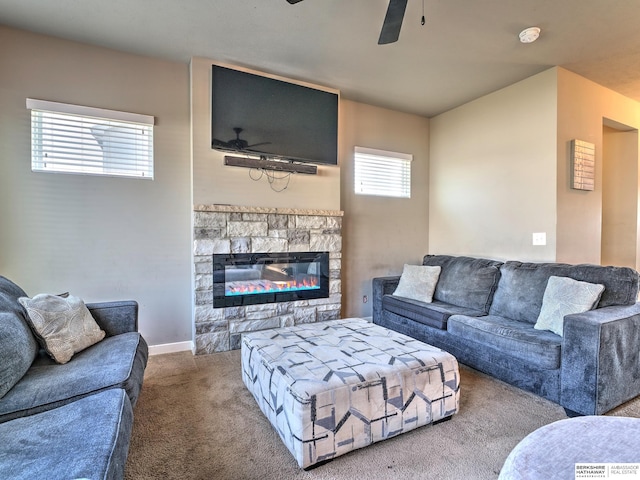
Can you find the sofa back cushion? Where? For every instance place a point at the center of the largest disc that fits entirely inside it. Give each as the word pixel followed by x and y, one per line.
pixel 9 294
pixel 522 285
pixel 465 281
pixel 18 346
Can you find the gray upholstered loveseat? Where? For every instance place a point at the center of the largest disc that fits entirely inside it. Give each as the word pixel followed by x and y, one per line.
pixel 70 420
pixel 484 311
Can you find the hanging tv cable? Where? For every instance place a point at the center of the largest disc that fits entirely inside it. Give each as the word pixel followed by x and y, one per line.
pixel 272 178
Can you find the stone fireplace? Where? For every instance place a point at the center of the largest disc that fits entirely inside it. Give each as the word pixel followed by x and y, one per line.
pixel 224 231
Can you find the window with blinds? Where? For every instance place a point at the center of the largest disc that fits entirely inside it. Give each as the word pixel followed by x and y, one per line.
pixel 378 172
pixel 84 140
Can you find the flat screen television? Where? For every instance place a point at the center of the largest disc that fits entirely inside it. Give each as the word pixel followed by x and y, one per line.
pixel 266 117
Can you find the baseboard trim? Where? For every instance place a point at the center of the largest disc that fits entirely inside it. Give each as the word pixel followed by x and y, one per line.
pixel 171 348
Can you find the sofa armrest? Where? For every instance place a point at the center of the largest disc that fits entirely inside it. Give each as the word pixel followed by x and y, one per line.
pixel 382 286
pixel 600 359
pixel 115 317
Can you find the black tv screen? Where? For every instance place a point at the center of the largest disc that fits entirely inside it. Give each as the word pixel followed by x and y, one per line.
pixel 271 118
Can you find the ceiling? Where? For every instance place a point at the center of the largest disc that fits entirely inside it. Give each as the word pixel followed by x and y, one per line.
pixel 466 49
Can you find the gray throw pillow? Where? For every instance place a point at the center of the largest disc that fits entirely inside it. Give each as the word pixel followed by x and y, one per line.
pixel 564 296
pixel 418 282
pixel 64 326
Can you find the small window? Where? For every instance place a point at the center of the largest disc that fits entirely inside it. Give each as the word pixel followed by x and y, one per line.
pixel 74 139
pixel 382 173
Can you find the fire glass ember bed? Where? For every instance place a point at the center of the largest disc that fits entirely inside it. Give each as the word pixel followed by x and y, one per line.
pixel 251 278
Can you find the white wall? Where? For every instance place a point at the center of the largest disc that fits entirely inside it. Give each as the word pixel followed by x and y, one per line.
pixel 98 238
pixel 492 180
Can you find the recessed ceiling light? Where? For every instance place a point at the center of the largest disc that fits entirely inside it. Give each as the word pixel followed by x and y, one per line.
pixel 529 35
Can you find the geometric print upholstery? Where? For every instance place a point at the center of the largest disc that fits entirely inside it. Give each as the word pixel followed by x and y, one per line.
pixel 332 387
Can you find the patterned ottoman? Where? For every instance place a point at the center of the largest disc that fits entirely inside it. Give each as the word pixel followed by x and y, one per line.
pixel 332 387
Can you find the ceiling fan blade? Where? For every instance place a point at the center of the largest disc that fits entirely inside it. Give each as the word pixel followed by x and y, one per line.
pixel 293 2
pixel 392 22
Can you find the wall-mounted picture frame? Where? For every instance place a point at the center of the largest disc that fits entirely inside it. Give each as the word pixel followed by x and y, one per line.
pixel 583 165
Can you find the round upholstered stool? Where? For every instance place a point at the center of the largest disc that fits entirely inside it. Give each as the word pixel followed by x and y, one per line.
pixel 552 451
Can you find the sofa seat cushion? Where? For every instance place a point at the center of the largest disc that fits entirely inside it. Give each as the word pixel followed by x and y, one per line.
pixel 522 286
pixel 88 438
pixel 511 337
pixel 115 362
pixel 465 281
pixel 434 314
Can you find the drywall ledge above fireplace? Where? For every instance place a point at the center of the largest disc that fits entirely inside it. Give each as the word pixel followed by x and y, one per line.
pixel 238 229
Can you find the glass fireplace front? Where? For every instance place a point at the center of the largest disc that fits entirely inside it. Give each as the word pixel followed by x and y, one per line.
pixel 251 278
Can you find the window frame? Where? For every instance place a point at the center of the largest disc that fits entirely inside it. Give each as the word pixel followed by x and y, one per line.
pixel 374 161
pixel 77 150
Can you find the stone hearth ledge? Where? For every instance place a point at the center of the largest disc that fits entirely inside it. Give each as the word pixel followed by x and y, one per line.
pixel 282 211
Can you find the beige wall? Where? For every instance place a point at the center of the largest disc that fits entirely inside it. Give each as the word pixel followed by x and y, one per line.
pixel 215 183
pixel 485 176
pixel 381 234
pixel 619 197
pixel 96 237
pixel 492 174
pixel 583 107
pixel 114 238
pixel 500 171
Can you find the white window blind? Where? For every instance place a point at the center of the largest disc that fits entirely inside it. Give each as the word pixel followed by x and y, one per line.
pixel 378 172
pixel 75 139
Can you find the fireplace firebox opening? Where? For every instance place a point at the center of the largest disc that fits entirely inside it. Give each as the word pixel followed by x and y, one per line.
pixel 241 279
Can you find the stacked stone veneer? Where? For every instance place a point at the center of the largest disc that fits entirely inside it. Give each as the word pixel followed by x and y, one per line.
pixel 230 229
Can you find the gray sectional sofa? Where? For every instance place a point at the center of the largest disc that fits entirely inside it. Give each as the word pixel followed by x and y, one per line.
pixel 483 312
pixel 71 420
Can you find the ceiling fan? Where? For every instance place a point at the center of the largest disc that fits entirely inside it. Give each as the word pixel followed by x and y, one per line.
pixel 392 20
pixel 236 144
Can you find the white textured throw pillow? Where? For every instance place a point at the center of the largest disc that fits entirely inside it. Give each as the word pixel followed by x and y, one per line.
pixel 564 296
pixel 418 282
pixel 64 326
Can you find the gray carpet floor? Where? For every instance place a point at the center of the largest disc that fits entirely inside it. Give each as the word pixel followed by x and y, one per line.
pixel 196 420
